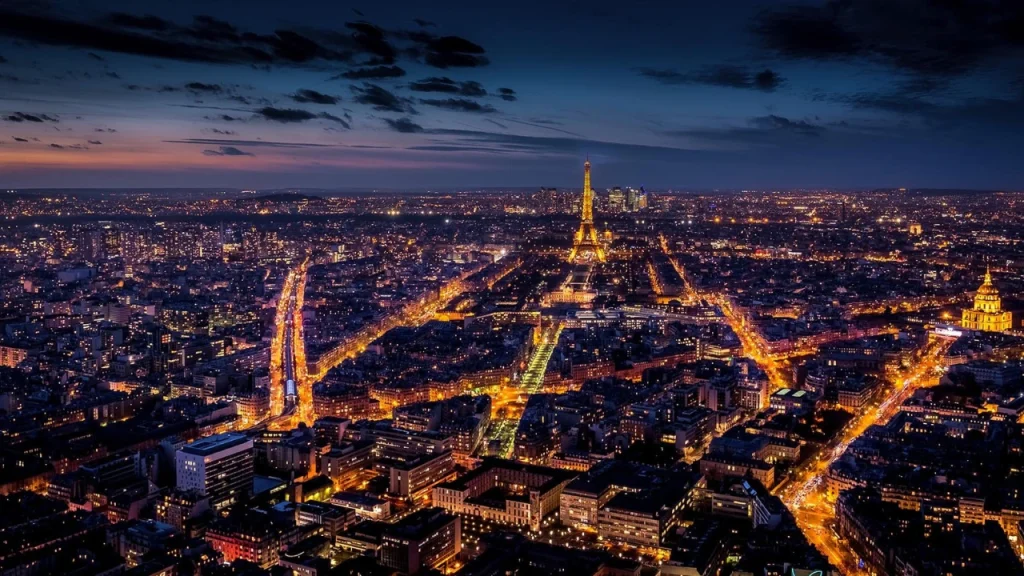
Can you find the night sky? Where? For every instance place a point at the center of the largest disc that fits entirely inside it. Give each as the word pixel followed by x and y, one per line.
pixel 401 94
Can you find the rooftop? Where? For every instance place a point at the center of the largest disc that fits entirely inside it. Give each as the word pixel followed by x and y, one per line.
pixel 217 443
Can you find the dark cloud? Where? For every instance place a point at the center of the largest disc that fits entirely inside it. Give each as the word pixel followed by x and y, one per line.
pixel 198 87
pixel 424 23
pixel 95 142
pixel 507 94
pixel 448 86
pixel 767 80
pixel 313 97
pixel 335 119
pixel 909 97
pixel 3 60
pixel 211 29
pixel 68 147
pixel 926 37
pixel 372 72
pixel 23 117
pixel 248 143
pixel 285 114
pixel 544 124
pixel 453 51
pixel 774 122
pixel 370 51
pixel 371 39
pixel 496 123
pixel 771 131
pixel 227 151
pixel 896 102
pixel 221 132
pixel 16 139
pixel 247 100
pixel 725 76
pixel 995 116
pixel 152 23
pixel 380 99
pixel 443 148
pixel 446 51
pixel 225 118
pixel 404 125
pixel 293 115
pixel 207 40
pixel 107 130
pixel 568 147
pixel 460 105
pixel 114 75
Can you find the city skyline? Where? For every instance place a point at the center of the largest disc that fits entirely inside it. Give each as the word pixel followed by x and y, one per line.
pixel 547 381
pixel 593 288
pixel 754 95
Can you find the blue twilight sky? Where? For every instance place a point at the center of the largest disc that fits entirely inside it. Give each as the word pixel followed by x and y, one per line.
pixel 402 94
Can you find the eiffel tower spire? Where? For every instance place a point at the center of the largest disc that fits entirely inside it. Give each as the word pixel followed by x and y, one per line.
pixel 585 245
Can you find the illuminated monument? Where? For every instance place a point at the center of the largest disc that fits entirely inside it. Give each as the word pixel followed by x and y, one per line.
pixel 585 246
pixel 988 314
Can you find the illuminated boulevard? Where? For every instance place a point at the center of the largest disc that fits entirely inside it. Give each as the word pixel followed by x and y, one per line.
pixel 287 361
pixel 804 491
pixel 512 400
pixel 751 347
pixel 806 495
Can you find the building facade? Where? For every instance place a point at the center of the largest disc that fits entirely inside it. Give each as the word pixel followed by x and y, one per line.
pixel 987 314
pixel 220 467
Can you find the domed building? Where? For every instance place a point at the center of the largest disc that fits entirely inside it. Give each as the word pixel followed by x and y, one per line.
pixel 987 314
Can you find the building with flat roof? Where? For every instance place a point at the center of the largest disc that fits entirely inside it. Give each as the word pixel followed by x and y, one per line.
pixel 583 497
pixel 506 492
pixel 365 504
pixel 220 467
pixel 792 401
pixel 427 539
pixel 409 476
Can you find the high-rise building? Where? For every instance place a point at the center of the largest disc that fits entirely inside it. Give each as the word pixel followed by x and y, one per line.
pixel 220 467
pixel 92 247
pixel 631 200
pixel 616 201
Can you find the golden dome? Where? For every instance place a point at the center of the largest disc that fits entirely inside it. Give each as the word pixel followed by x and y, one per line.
pixel 987 288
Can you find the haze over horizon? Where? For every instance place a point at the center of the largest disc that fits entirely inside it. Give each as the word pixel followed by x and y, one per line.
pixel 753 94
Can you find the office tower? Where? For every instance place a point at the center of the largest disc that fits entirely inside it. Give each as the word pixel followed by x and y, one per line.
pixel 616 201
pixel 220 467
pixel 91 246
pixel 631 201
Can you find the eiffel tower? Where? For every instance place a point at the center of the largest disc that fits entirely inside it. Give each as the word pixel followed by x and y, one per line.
pixel 585 247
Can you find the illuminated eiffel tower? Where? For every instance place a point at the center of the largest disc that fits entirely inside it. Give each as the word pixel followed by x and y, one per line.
pixel 585 247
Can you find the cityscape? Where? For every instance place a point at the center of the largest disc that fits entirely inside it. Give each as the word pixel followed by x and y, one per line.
pixel 587 370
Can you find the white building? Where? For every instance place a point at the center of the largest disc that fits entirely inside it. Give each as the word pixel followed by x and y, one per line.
pixel 220 467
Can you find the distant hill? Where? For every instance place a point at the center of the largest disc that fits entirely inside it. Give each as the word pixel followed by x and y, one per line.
pixel 285 197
